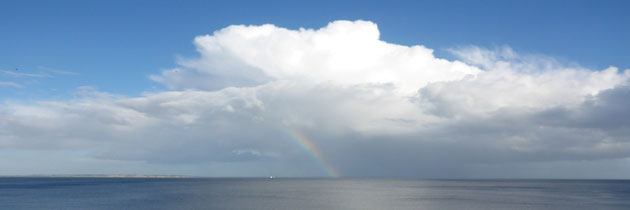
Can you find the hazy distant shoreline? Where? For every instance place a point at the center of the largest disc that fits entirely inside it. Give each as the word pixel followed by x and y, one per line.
pixel 94 176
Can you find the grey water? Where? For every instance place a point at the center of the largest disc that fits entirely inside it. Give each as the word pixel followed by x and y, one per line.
pixel 288 193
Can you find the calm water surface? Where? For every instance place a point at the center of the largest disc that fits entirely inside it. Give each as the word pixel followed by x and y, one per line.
pixel 224 193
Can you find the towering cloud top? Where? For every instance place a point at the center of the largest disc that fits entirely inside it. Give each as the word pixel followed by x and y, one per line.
pixel 344 53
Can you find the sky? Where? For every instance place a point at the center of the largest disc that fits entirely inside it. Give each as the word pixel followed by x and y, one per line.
pixel 409 89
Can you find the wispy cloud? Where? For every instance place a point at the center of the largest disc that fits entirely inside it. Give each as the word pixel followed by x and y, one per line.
pixel 20 74
pixel 11 84
pixel 56 71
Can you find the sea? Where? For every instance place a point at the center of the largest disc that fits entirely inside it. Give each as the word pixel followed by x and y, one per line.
pixel 306 193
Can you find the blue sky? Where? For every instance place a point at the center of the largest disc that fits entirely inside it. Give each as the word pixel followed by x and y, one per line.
pixel 115 45
pixel 440 89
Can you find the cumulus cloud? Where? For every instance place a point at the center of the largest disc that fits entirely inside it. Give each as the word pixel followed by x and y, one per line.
pixel 343 53
pixel 373 108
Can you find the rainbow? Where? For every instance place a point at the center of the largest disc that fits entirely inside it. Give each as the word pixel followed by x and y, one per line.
pixel 312 150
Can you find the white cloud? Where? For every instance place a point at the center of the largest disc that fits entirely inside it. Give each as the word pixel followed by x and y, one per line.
pixel 343 53
pixel 373 108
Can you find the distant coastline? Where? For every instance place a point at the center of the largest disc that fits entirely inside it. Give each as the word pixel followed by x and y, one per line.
pixel 94 176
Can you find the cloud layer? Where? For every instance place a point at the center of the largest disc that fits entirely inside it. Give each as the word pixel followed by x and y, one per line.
pixel 373 108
